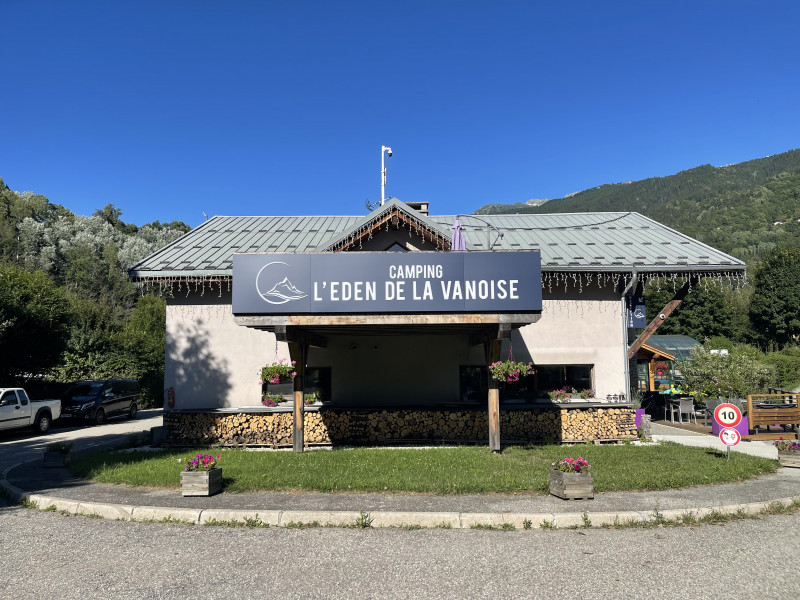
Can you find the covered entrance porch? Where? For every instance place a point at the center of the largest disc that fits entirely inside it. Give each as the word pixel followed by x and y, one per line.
pixel 410 372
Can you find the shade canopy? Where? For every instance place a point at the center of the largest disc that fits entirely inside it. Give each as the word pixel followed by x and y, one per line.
pixel 458 242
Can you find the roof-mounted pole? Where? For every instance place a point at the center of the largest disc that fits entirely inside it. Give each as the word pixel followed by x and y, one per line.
pixel 385 150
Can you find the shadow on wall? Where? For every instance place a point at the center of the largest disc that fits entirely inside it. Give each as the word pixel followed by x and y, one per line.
pixel 201 379
pixel 520 348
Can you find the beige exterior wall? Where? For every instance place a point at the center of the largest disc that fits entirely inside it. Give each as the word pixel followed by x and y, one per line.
pixel 211 361
pixel 579 329
pixel 214 363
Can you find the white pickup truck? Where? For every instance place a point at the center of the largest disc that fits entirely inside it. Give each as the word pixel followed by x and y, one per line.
pixel 17 410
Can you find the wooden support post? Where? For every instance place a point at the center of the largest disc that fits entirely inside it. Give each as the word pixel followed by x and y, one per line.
pixel 656 323
pixel 493 355
pixel 298 353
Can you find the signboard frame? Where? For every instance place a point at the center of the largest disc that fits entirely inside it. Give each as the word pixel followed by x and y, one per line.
pixel 383 283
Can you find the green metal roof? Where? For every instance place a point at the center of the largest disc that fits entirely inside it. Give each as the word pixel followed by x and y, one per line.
pixel 600 242
pixel 678 346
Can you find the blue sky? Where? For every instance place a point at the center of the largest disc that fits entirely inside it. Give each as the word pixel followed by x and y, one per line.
pixel 169 109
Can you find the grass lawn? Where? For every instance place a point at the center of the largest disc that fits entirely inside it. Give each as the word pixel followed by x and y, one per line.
pixel 458 470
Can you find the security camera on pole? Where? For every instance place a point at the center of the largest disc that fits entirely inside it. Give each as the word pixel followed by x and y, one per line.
pixel 385 150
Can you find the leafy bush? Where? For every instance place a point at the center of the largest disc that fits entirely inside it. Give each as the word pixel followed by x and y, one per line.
pixel 736 374
pixel 786 363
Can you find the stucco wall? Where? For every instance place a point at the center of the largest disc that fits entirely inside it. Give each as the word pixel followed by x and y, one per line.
pixel 211 361
pixel 214 363
pixel 578 328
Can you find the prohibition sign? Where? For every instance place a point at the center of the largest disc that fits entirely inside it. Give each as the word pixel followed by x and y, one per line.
pixel 729 436
pixel 728 415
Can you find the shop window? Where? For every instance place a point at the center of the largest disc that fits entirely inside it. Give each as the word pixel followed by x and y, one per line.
pixel 473 383
pixel 317 381
pixel 554 377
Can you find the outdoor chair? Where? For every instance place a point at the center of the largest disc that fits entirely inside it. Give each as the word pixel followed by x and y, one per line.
pixel 684 406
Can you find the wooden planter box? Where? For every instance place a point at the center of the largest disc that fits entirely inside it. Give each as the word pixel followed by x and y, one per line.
pixel 53 458
pixel 201 483
pixel 571 486
pixel 789 459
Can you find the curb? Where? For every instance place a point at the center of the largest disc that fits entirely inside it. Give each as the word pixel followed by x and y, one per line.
pixel 423 520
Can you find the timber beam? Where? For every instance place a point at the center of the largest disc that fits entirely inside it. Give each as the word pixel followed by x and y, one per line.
pixel 287 333
pixel 501 331
pixel 662 316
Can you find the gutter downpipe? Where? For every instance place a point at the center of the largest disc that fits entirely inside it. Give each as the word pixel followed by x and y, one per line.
pixel 628 288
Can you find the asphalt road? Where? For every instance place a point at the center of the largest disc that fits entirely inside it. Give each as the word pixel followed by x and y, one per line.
pixel 49 555
pixel 20 445
pixel 55 556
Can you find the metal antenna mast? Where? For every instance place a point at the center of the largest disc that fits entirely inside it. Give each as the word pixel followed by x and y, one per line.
pixel 385 150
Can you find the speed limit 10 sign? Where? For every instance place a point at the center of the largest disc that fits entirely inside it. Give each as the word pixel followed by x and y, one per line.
pixel 728 415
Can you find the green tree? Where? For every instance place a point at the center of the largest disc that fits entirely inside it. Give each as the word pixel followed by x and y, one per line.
pixel 775 306
pixel 786 363
pixel 90 350
pixel 703 314
pixel 142 343
pixel 740 372
pixel 35 316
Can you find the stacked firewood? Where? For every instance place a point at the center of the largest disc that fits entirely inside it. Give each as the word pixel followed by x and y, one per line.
pixel 275 429
pixel 599 424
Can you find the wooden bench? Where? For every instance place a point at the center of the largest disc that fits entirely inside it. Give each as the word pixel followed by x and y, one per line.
pixel 780 414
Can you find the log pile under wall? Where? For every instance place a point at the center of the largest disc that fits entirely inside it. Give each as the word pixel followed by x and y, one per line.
pixel 274 429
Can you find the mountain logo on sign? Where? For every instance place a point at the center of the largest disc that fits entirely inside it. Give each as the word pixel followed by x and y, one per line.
pixel 285 291
pixel 280 290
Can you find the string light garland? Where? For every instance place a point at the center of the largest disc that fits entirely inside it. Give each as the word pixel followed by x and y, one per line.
pixel 577 281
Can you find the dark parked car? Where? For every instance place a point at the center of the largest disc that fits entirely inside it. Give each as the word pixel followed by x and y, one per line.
pixel 95 401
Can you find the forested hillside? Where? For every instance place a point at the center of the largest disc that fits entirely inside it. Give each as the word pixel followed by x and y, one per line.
pixel 750 210
pixel 746 209
pixel 67 308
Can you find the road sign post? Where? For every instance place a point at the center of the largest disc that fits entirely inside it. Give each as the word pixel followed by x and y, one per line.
pixel 728 416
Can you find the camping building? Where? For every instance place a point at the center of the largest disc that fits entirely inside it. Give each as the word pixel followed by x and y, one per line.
pixel 393 319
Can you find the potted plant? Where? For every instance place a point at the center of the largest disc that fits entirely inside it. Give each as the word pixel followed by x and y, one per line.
pixel 560 395
pixel 58 454
pixel 571 478
pixel 271 400
pixel 509 370
pixel 201 476
pixel 660 368
pixel 274 372
pixel 586 394
pixel 788 452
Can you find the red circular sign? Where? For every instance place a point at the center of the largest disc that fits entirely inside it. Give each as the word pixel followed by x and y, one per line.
pixel 729 436
pixel 728 415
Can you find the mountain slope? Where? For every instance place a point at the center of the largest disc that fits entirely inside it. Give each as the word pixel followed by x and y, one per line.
pixel 745 209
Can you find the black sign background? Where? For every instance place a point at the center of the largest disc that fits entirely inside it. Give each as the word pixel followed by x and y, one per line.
pixel 386 282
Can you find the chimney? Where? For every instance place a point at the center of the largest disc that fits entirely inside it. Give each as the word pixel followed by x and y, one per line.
pixel 420 207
